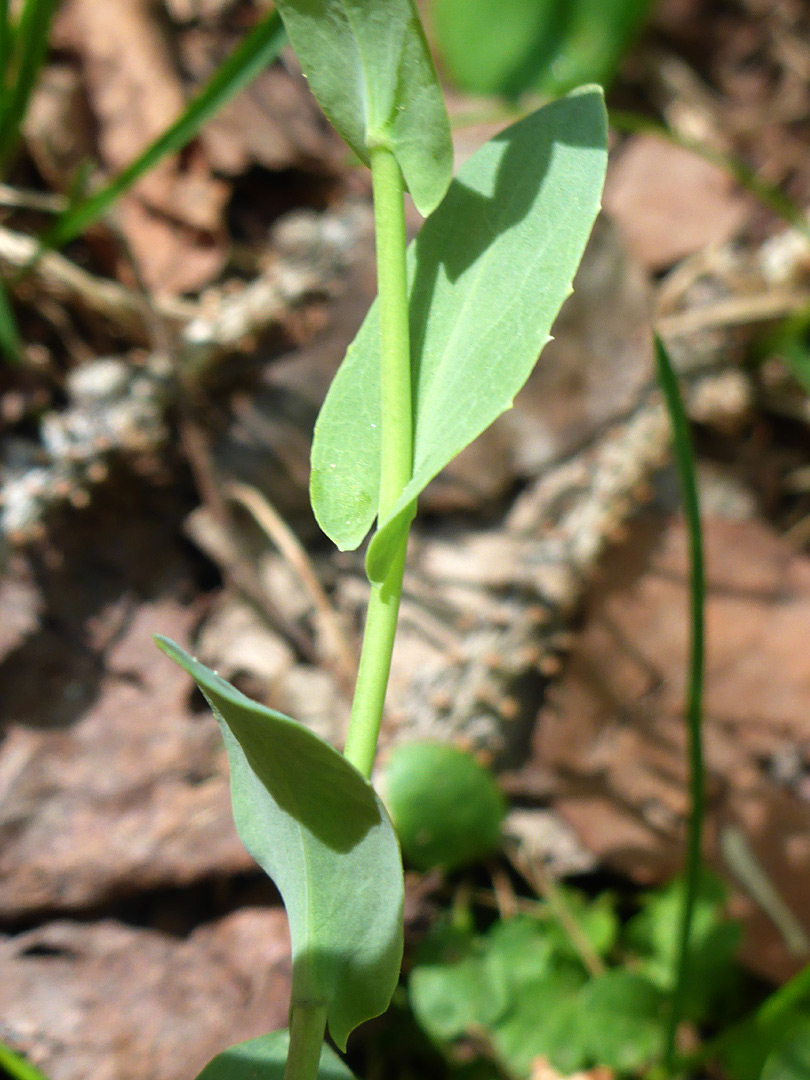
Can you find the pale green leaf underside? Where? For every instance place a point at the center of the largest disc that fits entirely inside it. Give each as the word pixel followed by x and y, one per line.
pixel 316 827
pixel 369 67
pixel 265 1058
pixel 488 274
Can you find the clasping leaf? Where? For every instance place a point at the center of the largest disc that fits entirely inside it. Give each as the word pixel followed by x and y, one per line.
pixel 265 1058
pixel 488 274
pixel 316 827
pixel 369 67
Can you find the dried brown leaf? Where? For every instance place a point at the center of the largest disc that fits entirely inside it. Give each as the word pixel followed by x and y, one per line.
pixel 122 1003
pixel 613 728
pixel 172 219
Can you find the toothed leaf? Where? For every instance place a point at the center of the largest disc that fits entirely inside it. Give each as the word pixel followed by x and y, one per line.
pixel 488 274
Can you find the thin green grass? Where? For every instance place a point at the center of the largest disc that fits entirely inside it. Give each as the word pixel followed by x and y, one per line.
pixel 255 52
pixel 23 48
pixel 10 343
pixel 17 1067
pixel 765 1019
pixel 684 456
pixel 5 39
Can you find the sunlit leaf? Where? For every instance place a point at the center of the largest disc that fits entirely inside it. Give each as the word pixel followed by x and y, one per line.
pixel 548 46
pixel 317 828
pixel 496 48
pixel 488 275
pixel 597 921
pixel 371 71
pixel 543 1021
pixel 711 970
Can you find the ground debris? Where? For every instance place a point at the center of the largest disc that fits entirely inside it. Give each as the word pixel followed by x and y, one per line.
pixel 117 1002
pixel 173 218
pixel 111 783
pixel 612 729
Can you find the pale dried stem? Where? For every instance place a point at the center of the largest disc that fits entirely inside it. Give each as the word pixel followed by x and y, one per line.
pixel 342 652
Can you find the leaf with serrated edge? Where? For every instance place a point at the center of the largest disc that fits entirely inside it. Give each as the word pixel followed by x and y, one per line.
pixel 266 1057
pixel 487 276
pixel 316 827
pixel 370 68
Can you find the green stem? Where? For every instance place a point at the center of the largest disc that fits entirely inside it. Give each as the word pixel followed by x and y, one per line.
pixel 375 665
pixel 767 1016
pixel 307 1030
pixel 686 468
pixel 396 454
pixel 396 443
pixel 17 1067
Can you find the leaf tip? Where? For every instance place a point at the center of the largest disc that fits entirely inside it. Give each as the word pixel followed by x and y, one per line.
pixel 166 645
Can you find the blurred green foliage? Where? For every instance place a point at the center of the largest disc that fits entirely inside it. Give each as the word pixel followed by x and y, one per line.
pixel 522 990
pixel 545 46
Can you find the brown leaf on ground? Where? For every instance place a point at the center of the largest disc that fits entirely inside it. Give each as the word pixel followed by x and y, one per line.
pixel 115 1002
pixel 58 125
pixel 669 202
pixel 172 220
pixel 109 783
pixel 275 122
pixel 613 728
pixel 133 796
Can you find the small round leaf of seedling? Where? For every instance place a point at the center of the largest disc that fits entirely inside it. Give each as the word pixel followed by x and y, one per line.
pixel 447 809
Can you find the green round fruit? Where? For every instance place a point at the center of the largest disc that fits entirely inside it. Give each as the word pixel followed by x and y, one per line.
pixel 447 809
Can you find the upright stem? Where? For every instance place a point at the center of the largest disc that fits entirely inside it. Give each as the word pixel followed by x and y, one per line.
pixel 763 1020
pixel 308 1022
pixel 396 444
pixel 396 454
pixel 686 467
pixel 307 1029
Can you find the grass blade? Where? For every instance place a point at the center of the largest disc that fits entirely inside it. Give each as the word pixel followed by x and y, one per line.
pixel 255 52
pixel 5 43
pixel 684 456
pixel 776 1008
pixel 17 1067
pixel 31 40
pixel 10 343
